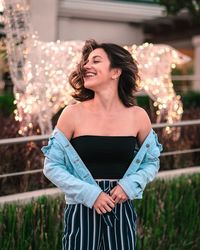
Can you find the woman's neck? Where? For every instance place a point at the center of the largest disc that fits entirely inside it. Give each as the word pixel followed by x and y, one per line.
pixel 106 103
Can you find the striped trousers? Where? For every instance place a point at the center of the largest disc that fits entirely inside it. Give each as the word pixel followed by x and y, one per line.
pixel 85 229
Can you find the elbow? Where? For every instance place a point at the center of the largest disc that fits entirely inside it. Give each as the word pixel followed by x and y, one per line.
pixel 47 169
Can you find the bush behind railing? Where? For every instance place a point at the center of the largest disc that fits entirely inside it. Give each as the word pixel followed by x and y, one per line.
pixel 168 219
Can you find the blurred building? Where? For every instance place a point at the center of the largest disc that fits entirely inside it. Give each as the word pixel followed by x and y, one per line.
pixel 114 21
pixel 122 22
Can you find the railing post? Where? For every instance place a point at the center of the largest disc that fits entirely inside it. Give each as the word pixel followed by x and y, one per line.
pixel 196 43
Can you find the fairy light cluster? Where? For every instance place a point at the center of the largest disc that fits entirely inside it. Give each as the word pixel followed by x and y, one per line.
pixel 155 63
pixel 45 73
pixel 40 72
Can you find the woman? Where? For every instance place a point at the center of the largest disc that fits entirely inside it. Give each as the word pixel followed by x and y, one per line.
pixel 91 155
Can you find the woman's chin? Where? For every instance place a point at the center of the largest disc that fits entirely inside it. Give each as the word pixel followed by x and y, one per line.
pixel 89 85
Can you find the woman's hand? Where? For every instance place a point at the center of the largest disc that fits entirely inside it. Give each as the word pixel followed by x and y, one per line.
pixel 104 203
pixel 118 194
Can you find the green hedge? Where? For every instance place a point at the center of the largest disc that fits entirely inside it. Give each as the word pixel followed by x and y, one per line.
pixel 168 219
pixel 169 215
pixel 7 105
pixel 191 100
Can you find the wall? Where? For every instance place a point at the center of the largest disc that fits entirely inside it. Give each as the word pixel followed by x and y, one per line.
pixel 44 18
pixel 82 19
pixel 102 31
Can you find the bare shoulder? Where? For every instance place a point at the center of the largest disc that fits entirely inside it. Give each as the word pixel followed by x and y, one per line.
pixel 138 109
pixel 139 114
pixel 144 123
pixel 66 120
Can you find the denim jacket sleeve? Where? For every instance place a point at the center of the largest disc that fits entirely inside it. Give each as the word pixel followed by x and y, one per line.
pixel 135 182
pixel 57 171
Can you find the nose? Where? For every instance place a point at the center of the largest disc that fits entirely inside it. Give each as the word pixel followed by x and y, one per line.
pixel 87 65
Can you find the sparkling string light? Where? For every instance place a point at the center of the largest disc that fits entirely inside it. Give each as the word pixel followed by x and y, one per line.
pixel 155 63
pixel 40 72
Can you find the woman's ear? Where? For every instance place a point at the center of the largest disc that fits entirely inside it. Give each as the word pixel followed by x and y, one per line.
pixel 116 73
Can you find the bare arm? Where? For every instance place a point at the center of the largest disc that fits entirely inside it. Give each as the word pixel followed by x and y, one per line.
pixel 144 125
pixel 66 121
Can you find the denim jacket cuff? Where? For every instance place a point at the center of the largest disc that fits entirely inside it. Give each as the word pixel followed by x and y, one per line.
pixel 92 196
pixel 133 191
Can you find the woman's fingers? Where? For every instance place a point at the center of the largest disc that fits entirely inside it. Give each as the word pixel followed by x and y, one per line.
pixel 103 210
pixel 118 198
pixel 118 194
pixel 110 200
pixel 98 210
pixel 107 208
pixel 112 190
pixel 111 203
pixel 104 203
pixel 114 196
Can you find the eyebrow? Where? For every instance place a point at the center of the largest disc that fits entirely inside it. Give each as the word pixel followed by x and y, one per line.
pixel 96 56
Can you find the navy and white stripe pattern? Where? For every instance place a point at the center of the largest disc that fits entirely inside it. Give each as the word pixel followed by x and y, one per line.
pixel 85 229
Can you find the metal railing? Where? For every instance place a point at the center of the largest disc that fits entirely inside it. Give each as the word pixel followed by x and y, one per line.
pixel 45 137
pixel 185 77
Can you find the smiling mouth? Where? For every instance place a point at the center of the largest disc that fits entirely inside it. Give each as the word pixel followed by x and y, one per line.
pixel 89 74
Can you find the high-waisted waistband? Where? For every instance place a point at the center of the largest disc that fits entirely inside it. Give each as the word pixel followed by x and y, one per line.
pixel 106 180
pixel 106 185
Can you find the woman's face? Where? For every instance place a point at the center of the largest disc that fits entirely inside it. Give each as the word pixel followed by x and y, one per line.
pixel 97 71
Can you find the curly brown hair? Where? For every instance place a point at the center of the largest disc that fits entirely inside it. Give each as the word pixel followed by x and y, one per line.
pixel 119 58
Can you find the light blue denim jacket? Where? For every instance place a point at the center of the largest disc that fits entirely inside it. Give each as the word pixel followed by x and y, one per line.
pixel 64 167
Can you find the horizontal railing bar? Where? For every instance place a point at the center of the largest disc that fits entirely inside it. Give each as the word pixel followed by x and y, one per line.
pixel 186 151
pixel 178 152
pixel 54 191
pixel 186 77
pixel 177 124
pixel 45 137
pixel 23 139
pixel 21 173
pixel 29 196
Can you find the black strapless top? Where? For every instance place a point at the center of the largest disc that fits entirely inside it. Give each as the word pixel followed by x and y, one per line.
pixel 106 157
